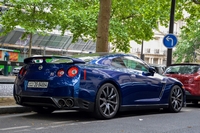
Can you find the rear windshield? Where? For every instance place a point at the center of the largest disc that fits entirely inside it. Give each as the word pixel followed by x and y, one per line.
pixel 53 60
pixel 182 69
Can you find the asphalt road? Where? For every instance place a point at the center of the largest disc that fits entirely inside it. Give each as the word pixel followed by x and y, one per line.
pixel 148 121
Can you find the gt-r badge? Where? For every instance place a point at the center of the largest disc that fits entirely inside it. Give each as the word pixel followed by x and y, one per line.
pixel 40 67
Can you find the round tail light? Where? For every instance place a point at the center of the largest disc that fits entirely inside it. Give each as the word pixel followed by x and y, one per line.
pixel 73 71
pixel 60 73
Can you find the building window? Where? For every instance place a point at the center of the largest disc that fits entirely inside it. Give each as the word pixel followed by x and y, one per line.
pixel 156 51
pixel 165 52
pixel 147 50
pixel 137 50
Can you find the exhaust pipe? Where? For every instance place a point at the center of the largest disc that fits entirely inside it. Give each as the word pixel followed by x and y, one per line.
pixel 69 103
pixel 66 103
pixel 61 103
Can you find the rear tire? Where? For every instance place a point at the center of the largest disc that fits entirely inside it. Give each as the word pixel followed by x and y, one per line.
pixel 107 102
pixel 176 99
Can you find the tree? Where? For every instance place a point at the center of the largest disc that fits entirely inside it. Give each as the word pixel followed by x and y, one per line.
pixel 34 16
pixel 125 20
pixel 188 46
pixel 129 20
pixel 103 26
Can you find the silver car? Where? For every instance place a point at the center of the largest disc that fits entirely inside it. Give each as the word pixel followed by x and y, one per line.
pixel 16 70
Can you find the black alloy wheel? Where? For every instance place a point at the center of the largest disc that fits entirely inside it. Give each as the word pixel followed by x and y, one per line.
pixel 107 102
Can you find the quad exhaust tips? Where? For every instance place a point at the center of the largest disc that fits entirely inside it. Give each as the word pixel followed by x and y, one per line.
pixel 66 102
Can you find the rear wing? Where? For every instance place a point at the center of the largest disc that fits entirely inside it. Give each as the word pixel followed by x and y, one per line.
pixel 52 59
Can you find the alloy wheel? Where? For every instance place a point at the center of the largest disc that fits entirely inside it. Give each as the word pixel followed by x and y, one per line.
pixel 176 99
pixel 107 101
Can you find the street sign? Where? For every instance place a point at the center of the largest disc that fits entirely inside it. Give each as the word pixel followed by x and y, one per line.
pixel 170 41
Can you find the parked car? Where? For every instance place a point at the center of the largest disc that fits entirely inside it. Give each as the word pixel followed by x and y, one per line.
pixel 189 75
pixel 16 70
pixel 1 71
pixel 159 68
pixel 104 85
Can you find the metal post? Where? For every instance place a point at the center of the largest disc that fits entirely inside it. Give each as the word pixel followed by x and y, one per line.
pixel 171 30
pixel 142 55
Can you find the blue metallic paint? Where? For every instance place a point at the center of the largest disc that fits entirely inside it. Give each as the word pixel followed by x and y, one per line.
pixel 135 87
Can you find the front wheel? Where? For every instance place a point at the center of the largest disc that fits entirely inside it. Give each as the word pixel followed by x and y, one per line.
pixel 176 99
pixel 107 101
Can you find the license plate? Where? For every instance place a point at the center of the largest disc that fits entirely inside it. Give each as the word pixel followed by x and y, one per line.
pixel 36 84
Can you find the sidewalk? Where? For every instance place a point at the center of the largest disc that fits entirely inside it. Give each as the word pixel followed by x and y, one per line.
pixel 7 102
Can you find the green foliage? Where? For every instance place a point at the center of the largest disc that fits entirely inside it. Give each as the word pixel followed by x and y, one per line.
pixel 32 15
pixel 188 47
pixel 129 20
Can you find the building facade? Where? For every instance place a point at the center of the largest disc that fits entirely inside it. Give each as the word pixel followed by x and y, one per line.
pixel 154 50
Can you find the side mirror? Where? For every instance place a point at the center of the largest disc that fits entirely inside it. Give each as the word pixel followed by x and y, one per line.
pixel 152 70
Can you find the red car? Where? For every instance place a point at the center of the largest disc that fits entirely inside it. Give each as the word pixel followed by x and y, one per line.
pixel 189 75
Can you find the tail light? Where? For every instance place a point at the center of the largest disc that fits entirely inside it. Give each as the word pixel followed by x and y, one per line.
pixel 22 72
pixel 197 78
pixel 60 73
pixel 73 71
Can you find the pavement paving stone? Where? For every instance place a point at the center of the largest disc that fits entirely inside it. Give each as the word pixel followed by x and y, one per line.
pixel 7 102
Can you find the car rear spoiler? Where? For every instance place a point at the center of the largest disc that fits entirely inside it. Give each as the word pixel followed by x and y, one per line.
pixel 40 57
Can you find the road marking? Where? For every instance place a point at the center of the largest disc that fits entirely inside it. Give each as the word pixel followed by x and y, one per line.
pixel 55 125
pixel 13 128
pixel 62 122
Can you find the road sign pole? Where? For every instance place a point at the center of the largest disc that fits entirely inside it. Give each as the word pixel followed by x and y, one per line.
pixel 142 54
pixel 171 30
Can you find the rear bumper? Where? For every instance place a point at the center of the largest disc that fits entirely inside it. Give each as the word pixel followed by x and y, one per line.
pixel 59 103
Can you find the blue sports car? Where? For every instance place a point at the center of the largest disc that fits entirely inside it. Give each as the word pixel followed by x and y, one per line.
pixel 103 85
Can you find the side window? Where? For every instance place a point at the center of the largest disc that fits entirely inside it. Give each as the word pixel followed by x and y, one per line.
pixel 118 62
pixel 172 70
pixel 134 63
pixel 130 64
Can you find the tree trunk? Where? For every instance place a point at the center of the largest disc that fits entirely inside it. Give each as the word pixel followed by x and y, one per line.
pixel 30 45
pixel 102 44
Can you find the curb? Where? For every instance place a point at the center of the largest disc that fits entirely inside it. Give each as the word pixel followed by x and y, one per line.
pixel 6 82
pixel 14 109
pixel 7 103
pixel 10 107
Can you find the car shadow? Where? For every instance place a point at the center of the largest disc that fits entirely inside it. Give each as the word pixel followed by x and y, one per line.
pixel 69 115
pixel 80 116
pixel 193 105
